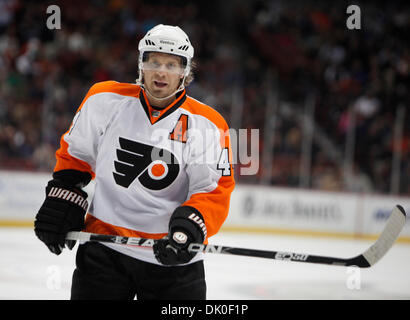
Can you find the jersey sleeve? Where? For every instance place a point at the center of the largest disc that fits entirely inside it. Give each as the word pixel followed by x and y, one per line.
pixel 210 173
pixel 79 145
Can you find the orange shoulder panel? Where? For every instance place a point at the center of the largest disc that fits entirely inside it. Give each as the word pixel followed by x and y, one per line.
pixel 67 161
pixel 125 89
pixel 196 107
pixel 199 108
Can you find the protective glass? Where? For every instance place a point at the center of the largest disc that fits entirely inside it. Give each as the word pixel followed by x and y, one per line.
pixel 170 67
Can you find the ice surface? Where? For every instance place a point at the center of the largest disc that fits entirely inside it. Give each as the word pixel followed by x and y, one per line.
pixel 29 271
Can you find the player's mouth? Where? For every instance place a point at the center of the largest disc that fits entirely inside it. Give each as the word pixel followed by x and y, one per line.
pixel 160 84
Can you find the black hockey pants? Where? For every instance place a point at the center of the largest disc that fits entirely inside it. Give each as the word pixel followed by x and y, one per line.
pixel 105 274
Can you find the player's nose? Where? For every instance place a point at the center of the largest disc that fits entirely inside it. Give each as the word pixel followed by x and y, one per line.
pixel 161 73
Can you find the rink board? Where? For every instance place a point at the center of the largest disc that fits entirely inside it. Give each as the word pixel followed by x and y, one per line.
pixel 308 212
pixel 253 208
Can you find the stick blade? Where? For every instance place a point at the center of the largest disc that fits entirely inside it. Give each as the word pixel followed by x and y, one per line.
pixel 390 233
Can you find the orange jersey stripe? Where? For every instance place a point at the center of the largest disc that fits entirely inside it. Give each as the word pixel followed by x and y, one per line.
pixel 94 225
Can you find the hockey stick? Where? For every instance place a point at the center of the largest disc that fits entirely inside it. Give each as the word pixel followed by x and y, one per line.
pixel 374 253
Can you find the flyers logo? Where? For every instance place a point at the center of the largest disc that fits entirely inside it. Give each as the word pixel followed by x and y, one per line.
pixel 180 129
pixel 154 168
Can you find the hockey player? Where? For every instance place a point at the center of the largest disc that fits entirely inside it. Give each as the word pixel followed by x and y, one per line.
pixel 147 147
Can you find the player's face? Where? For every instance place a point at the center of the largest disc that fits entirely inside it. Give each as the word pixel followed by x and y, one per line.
pixel 162 74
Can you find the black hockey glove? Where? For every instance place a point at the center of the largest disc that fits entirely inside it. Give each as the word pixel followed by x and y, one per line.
pixel 62 211
pixel 186 226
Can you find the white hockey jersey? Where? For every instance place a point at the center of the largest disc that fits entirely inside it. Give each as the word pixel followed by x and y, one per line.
pixel 147 162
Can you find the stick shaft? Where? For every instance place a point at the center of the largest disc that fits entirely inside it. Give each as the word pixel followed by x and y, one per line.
pixel 389 234
pixel 196 247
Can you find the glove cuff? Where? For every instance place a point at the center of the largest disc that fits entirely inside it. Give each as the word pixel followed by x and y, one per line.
pixel 72 177
pixel 189 219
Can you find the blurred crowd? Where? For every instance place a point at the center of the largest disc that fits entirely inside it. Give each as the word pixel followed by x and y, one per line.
pixel 358 79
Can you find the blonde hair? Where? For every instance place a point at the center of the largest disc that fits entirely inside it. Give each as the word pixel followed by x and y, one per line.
pixel 190 77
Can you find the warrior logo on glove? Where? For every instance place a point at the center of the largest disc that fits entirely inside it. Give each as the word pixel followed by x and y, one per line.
pixel 68 195
pixel 155 168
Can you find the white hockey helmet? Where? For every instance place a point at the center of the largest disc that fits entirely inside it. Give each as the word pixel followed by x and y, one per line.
pixel 166 39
